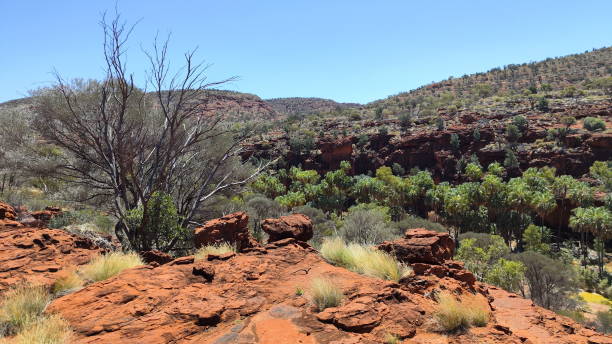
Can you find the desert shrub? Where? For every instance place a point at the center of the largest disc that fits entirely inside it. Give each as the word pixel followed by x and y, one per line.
pixel 453 315
pixel 162 225
pixel 364 260
pixel 95 221
pixel 390 338
pixel 604 321
pixel 576 315
pixel 21 306
pixel 454 141
pixel 68 280
pixel 366 226
pixel 551 283
pixel 260 208
pixel 411 221
pixel 324 293
pixel 46 330
pixel 220 248
pixel 535 238
pixel 480 251
pixel 106 266
pixel 506 274
pixel 593 124
pixel 473 172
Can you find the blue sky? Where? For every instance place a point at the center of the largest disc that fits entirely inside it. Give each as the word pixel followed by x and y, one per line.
pixel 351 51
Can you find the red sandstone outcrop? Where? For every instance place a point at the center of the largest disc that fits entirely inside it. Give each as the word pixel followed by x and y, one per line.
pixel 8 216
pixel 232 228
pixel 296 226
pixel 38 255
pixel 421 246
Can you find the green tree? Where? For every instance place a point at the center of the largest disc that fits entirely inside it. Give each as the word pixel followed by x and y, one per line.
pixel 507 274
pixel 596 220
pixel 594 124
pixel 473 172
pixel 536 239
pixel 454 141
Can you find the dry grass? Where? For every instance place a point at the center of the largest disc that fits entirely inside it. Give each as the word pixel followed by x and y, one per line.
pixel 106 266
pixel 453 315
pixel 21 306
pixel 364 260
pixel 220 248
pixel 68 280
pixel 46 330
pixel 324 293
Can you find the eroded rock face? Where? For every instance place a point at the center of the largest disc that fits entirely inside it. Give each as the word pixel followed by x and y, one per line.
pixel 38 255
pixel 251 298
pixel 8 216
pixel 421 246
pixel 297 226
pixel 232 228
pixel 156 256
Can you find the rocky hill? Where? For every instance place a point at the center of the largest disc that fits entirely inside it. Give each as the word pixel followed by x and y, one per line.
pixel 298 106
pixel 261 294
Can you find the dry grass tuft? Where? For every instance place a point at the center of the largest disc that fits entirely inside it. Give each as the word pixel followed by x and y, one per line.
pixel 21 306
pixel 46 330
pixel 453 315
pixel 108 265
pixel 364 260
pixel 68 280
pixel 324 293
pixel 220 248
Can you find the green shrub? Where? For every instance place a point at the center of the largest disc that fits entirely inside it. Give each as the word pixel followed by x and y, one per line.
pixel 106 266
pixel 593 124
pixel 21 306
pixel 325 294
pixel 507 274
pixel 220 248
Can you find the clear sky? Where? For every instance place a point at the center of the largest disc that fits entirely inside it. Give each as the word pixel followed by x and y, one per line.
pixel 351 51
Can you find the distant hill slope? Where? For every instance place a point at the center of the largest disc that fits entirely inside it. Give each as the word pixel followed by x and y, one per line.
pixel 305 106
pixel 558 73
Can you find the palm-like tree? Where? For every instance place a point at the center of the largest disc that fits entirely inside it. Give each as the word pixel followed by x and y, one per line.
pixel 596 220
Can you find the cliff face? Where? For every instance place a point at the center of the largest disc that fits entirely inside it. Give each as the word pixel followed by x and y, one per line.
pixel 427 148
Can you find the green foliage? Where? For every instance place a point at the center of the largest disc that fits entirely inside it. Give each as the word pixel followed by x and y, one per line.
pixel 106 266
pixel 511 161
pixel 602 171
pixel 551 283
pixel 292 199
pixel 496 169
pixel 21 306
pixel 520 122
pixel 506 274
pixel 483 90
pixel 268 185
pixel 513 134
pixel 536 239
pixel 476 134
pixel 542 104
pixel 397 169
pixel 473 172
pixel 604 321
pixel 440 123
pixel 160 225
pixel 480 252
pixel 594 124
pixel 454 315
pixel 454 141
pixel 411 221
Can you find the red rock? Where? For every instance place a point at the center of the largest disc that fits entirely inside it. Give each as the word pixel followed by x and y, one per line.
pixel 7 212
pixel 297 226
pixel 40 255
pixel 156 256
pixel 232 228
pixel 421 246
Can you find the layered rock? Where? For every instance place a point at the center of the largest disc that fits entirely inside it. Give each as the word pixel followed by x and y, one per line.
pixel 8 216
pixel 297 226
pixel 251 298
pixel 232 228
pixel 421 246
pixel 38 255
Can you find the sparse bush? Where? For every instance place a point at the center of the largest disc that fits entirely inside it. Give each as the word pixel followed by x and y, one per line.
pixel 364 260
pixel 453 315
pixel 366 226
pixel 390 338
pixel 593 124
pixel 106 266
pixel 604 321
pixel 68 279
pixel 325 294
pixel 46 330
pixel 411 221
pixel 220 248
pixel 21 306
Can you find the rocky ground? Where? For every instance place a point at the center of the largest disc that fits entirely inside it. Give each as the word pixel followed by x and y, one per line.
pixel 252 296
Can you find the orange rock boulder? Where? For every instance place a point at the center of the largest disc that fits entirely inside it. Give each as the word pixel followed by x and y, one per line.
pixel 232 228
pixel 295 226
pixel 8 216
pixel 421 246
